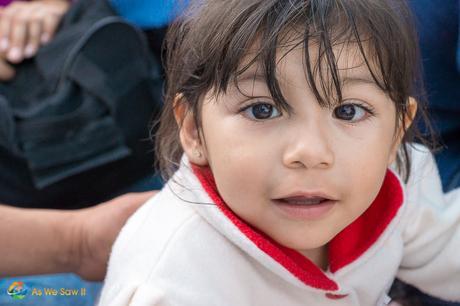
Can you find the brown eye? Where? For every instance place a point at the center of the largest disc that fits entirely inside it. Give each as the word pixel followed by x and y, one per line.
pixel 350 112
pixel 262 111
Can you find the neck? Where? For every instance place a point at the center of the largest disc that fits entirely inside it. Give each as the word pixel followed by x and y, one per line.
pixel 318 256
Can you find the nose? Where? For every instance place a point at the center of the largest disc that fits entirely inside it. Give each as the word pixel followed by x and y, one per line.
pixel 309 148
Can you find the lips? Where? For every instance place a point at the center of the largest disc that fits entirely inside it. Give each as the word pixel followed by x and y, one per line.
pixel 305 206
pixel 303 200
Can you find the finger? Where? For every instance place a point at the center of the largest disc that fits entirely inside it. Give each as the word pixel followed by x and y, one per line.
pixel 5 25
pixel 54 13
pixel 18 35
pixel 50 23
pixel 34 33
pixel 7 72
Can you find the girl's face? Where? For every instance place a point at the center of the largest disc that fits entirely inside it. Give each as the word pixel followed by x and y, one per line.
pixel 302 177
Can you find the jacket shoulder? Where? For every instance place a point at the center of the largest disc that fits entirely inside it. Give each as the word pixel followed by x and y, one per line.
pixel 148 234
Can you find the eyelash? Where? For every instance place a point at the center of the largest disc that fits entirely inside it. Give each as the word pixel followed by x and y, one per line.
pixel 255 103
pixel 367 108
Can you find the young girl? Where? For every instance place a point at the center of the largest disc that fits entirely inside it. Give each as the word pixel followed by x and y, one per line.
pixel 285 136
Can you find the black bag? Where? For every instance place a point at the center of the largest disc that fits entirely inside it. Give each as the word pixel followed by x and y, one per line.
pixel 85 101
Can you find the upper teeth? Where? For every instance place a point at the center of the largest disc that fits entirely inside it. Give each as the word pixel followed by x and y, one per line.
pixel 311 201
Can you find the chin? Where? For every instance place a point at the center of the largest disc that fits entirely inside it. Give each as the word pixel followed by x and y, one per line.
pixel 303 245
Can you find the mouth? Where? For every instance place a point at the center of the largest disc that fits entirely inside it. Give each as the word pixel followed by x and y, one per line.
pixel 307 207
pixel 300 200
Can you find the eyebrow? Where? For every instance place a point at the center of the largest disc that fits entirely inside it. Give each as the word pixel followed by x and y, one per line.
pixel 252 73
pixel 251 76
pixel 350 80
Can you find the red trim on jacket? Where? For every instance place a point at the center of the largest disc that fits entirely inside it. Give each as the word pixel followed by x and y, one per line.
pixel 360 235
pixel 345 248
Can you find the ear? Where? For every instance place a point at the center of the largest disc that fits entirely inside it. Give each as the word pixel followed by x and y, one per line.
pixel 189 134
pixel 408 119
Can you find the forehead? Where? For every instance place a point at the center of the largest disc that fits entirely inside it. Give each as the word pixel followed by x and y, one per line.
pixel 348 63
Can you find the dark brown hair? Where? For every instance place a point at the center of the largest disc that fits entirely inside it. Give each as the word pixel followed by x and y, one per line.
pixel 205 48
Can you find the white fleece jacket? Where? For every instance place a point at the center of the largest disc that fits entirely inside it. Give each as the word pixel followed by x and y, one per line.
pixel 186 248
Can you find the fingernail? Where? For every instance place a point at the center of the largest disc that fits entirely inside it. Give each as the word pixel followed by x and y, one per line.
pixel 45 38
pixel 4 44
pixel 29 51
pixel 15 54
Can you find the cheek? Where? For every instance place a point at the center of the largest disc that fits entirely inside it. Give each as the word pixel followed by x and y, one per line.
pixel 240 162
pixel 239 170
pixel 368 180
pixel 365 181
pixel 364 162
pixel 369 144
pixel 233 145
pixel 242 185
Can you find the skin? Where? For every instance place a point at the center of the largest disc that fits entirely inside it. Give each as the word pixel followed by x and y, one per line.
pixel 41 241
pixel 25 26
pixel 7 71
pixel 256 161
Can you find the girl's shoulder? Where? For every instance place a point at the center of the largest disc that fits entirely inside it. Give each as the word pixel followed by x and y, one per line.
pixel 167 245
pixel 426 206
pixel 430 231
pixel 424 179
pixel 148 234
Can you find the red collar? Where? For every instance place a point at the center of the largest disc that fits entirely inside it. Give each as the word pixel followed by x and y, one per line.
pixel 345 248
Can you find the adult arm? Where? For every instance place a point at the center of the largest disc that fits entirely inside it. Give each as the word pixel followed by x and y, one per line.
pixel 39 241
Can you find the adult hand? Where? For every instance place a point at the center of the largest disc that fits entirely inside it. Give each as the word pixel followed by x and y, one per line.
pixel 25 26
pixel 7 71
pixel 94 230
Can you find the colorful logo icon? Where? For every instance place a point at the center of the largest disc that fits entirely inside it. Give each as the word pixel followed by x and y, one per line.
pixel 17 290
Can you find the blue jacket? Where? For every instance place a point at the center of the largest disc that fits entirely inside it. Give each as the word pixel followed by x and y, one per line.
pixel 149 14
